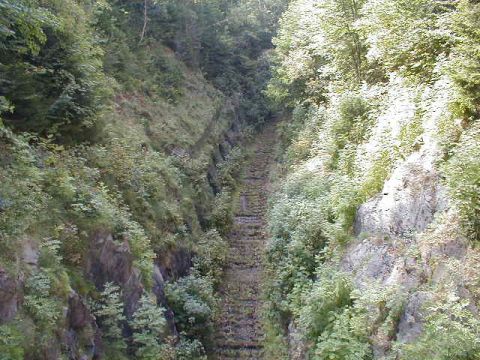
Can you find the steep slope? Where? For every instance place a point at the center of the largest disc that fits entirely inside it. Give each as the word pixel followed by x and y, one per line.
pixel 129 212
pixel 119 151
pixel 239 333
pixel 373 248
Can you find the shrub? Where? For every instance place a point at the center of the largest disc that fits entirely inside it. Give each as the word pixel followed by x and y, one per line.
pixel 148 324
pixel 377 175
pixel 189 350
pixel 352 123
pixel 407 36
pixel 462 177
pixel 464 67
pixel 330 295
pixel 54 66
pixel 193 302
pixel 41 302
pixel 11 342
pixel 451 332
pixel 211 255
pixel 221 217
pixel 345 340
pixel 229 170
pixel 110 315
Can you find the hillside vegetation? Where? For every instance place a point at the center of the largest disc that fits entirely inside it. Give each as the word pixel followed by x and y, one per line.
pixel 119 133
pixel 374 224
pixel 128 229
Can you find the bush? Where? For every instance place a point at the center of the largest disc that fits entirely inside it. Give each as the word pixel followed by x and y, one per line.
pixel 11 342
pixel 345 340
pixel 189 350
pixel 407 36
pixel 193 302
pixel 377 175
pixel 221 217
pixel 110 315
pixel 330 295
pixel 42 304
pixel 211 256
pixel 464 67
pixel 55 85
pixel 451 332
pixel 149 325
pixel 462 178
pixel 352 122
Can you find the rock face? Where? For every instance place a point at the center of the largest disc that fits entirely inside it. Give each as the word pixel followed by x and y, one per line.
pixel 175 264
pixel 408 202
pixel 386 252
pixel 82 329
pixel 110 261
pixel 159 291
pixel 410 326
pixel 9 296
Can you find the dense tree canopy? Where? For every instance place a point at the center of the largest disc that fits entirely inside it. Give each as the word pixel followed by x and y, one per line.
pixel 60 59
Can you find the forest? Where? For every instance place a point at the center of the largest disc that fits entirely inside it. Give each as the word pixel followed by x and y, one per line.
pixel 239 179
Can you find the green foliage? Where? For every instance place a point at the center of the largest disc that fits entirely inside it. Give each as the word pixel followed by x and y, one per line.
pixel 56 83
pixel 59 57
pixel 21 192
pixel 230 169
pixel 451 332
pixel 40 303
pixel 346 340
pixel 351 126
pixel 131 166
pixel 192 300
pixel 299 134
pixel 464 67
pixel 377 175
pixel 110 314
pixel 343 340
pixel 462 173
pixel 211 255
pixel 222 214
pixel 342 40
pixel 11 343
pixel 189 350
pixel 330 295
pixel 410 136
pixel 408 36
pixel 370 84
pixel 21 26
pixel 318 42
pixel 149 327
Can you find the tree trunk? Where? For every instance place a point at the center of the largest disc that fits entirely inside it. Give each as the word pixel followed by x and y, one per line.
pixel 145 20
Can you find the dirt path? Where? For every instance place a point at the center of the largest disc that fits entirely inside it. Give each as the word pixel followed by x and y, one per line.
pixel 239 332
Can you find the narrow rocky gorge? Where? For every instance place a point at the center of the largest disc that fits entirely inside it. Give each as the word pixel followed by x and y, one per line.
pixel 239 331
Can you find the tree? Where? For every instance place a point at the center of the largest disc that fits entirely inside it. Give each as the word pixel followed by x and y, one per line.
pixel 110 314
pixel 51 66
pixel 149 326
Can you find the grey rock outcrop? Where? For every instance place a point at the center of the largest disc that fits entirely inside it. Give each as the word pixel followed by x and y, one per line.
pixel 410 326
pixel 159 291
pixel 81 329
pixel 386 250
pixel 9 296
pixel 408 202
pixel 110 261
